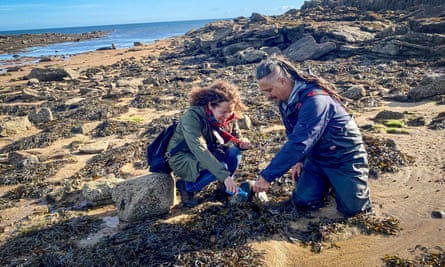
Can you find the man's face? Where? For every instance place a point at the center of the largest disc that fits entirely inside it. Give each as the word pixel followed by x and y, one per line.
pixel 275 89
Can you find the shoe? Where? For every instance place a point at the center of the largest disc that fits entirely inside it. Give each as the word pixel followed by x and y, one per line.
pixel 187 198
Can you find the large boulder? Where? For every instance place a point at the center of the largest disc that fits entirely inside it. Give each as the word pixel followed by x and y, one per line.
pixel 143 197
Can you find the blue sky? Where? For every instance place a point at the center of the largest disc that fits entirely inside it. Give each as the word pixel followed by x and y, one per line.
pixel 34 14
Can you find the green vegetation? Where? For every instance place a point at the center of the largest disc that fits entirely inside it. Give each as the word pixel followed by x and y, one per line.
pixel 394 123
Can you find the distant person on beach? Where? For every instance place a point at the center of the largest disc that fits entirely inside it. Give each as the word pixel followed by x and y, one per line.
pixel 324 147
pixel 213 141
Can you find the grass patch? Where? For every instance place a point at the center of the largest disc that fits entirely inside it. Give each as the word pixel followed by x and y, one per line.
pixel 394 123
pixel 397 131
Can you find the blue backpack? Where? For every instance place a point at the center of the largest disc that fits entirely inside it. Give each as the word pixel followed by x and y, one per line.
pixel 157 154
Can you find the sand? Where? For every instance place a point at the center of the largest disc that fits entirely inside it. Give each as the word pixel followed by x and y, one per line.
pixel 410 195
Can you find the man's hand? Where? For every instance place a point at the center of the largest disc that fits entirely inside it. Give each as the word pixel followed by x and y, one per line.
pixel 261 185
pixel 296 171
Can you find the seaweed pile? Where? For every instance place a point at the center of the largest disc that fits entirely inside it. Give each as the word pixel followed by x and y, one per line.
pixel 215 233
pixel 426 257
pixel 211 234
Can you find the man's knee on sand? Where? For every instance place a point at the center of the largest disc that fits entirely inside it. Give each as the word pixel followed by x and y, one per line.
pixel 311 201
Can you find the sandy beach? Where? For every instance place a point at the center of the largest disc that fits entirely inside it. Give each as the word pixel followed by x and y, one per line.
pixel 411 194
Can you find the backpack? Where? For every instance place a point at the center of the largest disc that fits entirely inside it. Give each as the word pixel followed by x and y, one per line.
pixel 157 154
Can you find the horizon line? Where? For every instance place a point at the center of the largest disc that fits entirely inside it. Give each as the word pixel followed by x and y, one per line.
pixel 4 32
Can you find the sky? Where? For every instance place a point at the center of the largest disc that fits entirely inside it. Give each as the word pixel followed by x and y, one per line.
pixel 35 14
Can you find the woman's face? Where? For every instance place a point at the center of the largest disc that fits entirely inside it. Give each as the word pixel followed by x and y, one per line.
pixel 222 111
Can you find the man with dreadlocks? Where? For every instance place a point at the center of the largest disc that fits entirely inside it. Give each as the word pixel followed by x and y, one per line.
pixel 324 148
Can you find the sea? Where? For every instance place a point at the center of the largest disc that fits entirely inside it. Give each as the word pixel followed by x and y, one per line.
pixel 123 36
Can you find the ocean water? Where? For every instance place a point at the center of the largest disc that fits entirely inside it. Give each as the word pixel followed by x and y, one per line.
pixel 123 36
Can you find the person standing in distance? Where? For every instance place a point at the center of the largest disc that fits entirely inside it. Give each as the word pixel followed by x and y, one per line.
pixel 324 147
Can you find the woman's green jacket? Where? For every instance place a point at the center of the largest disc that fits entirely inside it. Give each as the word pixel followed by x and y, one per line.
pixel 195 157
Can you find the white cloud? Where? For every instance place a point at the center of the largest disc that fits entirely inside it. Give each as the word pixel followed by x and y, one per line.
pixel 286 7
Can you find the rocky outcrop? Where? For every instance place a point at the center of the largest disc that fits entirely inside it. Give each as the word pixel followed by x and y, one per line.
pixel 16 43
pixel 308 34
pixel 372 4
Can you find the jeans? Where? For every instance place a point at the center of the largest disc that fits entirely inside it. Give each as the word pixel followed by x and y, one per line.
pixel 231 162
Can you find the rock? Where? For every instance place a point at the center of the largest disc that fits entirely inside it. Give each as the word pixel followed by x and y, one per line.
pixel 307 48
pixel 31 94
pixel 370 4
pixel 393 30
pixel 439 214
pixel 144 196
pixel 22 159
pixel 355 92
pixel 351 34
pixel 14 125
pixel 133 83
pixel 94 148
pixel 40 115
pixel 85 128
pixel 431 86
pixel 245 123
pixel 415 122
pixel 99 192
pixel 48 74
pixel 33 81
pixel 13 69
pixel 258 18
pixel 389 115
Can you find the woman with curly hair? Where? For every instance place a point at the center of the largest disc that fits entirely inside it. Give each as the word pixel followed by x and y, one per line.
pixel 213 141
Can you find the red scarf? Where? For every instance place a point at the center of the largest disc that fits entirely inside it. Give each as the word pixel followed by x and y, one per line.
pixel 221 127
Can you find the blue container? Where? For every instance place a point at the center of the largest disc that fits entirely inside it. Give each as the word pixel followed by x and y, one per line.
pixel 242 195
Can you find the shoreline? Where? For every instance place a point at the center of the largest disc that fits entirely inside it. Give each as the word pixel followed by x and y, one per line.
pixel 12 44
pixel 20 67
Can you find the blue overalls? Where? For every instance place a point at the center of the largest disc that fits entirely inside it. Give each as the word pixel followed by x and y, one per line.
pixel 326 138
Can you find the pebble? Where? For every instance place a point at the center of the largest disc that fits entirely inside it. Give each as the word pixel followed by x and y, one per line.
pixel 439 214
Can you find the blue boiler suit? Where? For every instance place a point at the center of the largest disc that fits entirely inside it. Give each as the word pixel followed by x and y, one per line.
pixel 326 138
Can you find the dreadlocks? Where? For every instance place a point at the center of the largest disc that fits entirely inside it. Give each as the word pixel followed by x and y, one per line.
pixel 278 65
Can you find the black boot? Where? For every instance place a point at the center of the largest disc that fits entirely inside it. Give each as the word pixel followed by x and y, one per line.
pixel 187 198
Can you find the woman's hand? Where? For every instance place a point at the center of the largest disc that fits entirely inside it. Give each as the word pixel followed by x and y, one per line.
pixel 230 185
pixel 261 185
pixel 296 171
pixel 244 143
